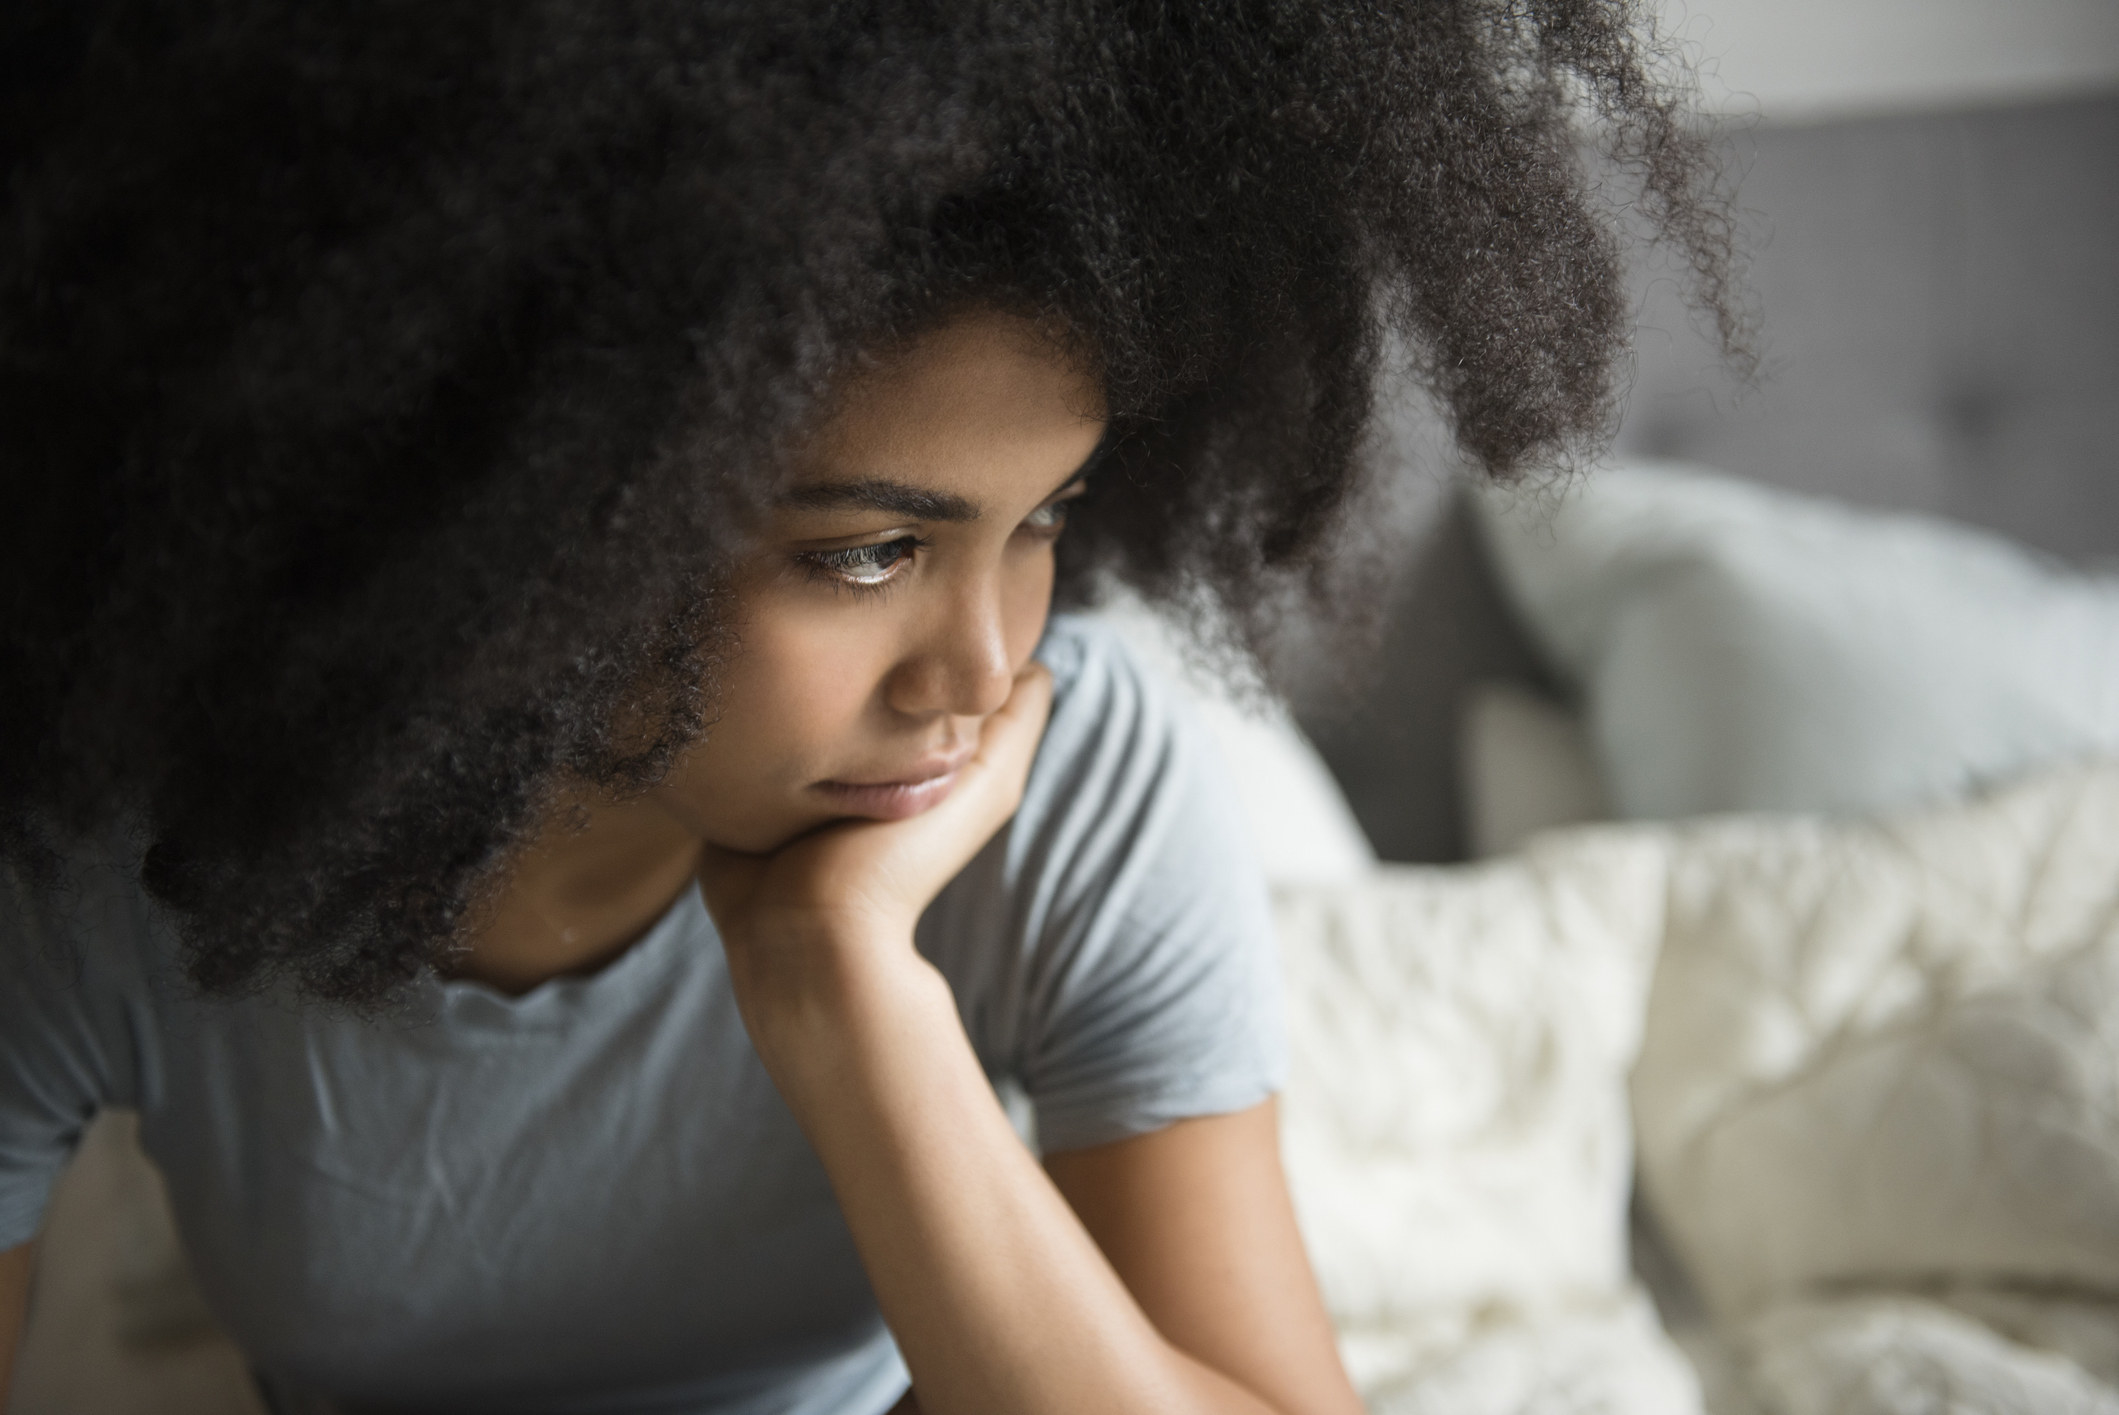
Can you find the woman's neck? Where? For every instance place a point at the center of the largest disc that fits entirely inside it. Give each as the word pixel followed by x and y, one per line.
pixel 580 894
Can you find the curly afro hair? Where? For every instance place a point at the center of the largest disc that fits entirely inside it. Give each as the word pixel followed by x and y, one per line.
pixel 385 385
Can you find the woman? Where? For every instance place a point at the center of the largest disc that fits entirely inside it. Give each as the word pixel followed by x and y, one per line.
pixel 535 752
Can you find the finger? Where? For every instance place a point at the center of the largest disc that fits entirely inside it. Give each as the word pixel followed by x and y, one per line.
pixel 1010 738
pixel 1008 741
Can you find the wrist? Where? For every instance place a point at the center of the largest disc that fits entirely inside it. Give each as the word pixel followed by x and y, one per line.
pixel 817 1000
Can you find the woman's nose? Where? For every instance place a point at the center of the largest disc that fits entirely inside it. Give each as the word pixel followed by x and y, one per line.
pixel 959 663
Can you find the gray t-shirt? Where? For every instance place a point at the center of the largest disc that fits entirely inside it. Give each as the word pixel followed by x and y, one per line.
pixel 590 1197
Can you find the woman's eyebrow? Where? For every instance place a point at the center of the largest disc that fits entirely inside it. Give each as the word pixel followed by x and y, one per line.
pixel 870 494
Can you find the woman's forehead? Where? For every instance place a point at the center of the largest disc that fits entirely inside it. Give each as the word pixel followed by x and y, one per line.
pixel 943 425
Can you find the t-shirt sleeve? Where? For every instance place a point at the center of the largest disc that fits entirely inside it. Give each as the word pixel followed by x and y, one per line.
pixel 1151 989
pixel 64 1039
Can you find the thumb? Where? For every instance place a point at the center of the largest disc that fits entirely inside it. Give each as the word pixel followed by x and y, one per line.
pixel 1000 768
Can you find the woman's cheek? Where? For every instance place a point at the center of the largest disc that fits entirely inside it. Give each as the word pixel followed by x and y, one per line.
pixel 786 704
pixel 820 666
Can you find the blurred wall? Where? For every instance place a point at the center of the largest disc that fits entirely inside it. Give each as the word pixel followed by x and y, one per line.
pixel 1814 60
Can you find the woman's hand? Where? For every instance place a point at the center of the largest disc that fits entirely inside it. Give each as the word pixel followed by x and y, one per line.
pixel 834 910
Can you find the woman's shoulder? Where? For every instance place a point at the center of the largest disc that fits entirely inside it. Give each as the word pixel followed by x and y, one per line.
pixel 1118 725
pixel 82 960
pixel 87 922
pixel 1125 660
pixel 1087 651
pixel 1128 781
pixel 1138 988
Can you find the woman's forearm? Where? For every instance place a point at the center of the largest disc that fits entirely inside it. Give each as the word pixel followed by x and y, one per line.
pixel 998 1297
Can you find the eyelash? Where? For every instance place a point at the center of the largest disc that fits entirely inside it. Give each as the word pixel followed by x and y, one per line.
pixel 836 567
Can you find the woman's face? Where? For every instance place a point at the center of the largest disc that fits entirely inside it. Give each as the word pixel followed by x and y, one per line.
pixel 897 588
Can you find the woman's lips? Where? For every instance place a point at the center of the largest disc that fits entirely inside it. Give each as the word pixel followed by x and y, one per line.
pixel 921 789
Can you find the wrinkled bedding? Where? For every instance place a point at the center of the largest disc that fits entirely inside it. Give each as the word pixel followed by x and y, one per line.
pixel 1456 1133
pixel 1878 1099
pixel 1875 1094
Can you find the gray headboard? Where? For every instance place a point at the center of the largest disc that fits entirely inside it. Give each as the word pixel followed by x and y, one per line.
pixel 1939 329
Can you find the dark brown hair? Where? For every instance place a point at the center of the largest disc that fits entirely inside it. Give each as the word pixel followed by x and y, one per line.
pixel 383 383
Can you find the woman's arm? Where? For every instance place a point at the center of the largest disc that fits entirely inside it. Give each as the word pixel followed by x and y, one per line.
pixel 998 1295
pixel 14 1310
pixel 1197 1220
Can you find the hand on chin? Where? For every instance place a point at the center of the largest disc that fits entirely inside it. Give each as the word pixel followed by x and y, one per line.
pixel 846 895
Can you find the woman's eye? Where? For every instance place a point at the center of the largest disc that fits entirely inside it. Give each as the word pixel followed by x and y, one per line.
pixel 865 565
pixel 1050 517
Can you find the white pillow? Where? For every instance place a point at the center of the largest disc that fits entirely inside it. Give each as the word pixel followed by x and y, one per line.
pixel 1741 648
pixel 1884 1057
pixel 1301 826
pixel 1455 1127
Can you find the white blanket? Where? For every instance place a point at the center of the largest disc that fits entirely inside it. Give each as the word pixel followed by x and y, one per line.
pixel 1877 1105
pixel 1456 1133
pixel 1878 1100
